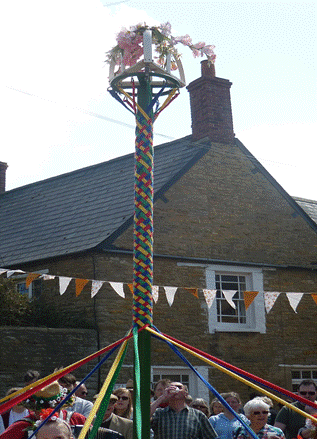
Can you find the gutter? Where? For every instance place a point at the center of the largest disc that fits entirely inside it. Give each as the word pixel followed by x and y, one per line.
pixel 206 261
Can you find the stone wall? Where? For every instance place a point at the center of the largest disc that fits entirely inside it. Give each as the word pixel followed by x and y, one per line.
pixel 45 349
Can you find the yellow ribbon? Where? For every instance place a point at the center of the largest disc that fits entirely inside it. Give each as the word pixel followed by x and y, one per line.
pixel 102 392
pixel 234 375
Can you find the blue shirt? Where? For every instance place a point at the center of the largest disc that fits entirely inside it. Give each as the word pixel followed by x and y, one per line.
pixel 225 427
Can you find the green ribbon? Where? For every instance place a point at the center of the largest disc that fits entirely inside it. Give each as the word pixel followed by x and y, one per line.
pixel 137 415
pixel 105 402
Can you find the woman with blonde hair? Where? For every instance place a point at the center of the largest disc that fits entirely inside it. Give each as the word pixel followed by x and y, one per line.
pixel 257 411
pixel 123 406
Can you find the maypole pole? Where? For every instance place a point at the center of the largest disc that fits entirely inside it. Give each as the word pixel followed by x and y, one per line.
pixel 139 88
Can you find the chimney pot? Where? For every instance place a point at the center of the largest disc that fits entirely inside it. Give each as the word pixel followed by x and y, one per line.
pixel 208 69
pixel 3 168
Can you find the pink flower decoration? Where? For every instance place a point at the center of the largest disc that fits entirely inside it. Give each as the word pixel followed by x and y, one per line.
pixel 199 45
pixel 129 47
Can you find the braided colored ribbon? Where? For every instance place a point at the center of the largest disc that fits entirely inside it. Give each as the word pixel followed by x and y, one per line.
pixel 143 222
pixel 143 207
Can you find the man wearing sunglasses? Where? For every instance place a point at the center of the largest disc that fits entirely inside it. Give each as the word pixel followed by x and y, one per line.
pixel 288 420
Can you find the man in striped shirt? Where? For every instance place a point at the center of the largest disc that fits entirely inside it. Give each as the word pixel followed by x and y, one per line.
pixel 177 420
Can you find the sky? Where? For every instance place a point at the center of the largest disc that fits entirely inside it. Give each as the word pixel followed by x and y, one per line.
pixel 57 115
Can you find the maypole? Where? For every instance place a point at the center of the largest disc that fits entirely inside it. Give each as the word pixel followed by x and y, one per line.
pixel 138 85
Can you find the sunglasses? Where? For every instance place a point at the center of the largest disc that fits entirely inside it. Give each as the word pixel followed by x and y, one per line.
pixel 265 412
pixel 199 407
pixel 307 393
pixel 124 398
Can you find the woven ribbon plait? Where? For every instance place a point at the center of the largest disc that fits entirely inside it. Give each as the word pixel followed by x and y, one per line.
pixel 143 222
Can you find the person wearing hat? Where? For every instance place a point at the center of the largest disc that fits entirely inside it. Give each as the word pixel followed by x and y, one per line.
pixel 41 405
pixel 115 422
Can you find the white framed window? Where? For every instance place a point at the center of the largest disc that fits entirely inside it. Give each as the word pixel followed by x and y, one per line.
pixel 184 375
pixel 33 291
pixel 35 288
pixel 300 373
pixel 222 316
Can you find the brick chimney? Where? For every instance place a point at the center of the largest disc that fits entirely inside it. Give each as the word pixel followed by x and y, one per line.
pixel 211 106
pixel 3 168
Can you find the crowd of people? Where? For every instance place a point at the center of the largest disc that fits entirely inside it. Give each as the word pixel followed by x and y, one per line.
pixel 174 414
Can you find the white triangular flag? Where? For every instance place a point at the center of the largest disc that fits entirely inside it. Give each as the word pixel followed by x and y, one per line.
pixel 11 272
pixel 270 299
pixel 95 287
pixel 63 284
pixel 228 296
pixel 47 277
pixel 155 293
pixel 118 287
pixel 209 296
pixel 170 294
pixel 294 299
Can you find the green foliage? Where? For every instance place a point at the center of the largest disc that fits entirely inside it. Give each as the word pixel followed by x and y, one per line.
pixel 15 307
pixel 17 310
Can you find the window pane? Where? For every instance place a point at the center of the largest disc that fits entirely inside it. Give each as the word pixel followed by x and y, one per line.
pixel 295 374
pixel 22 288
pixel 225 312
pixel 306 374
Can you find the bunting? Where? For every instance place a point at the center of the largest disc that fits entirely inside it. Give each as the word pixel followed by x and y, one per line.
pixel 79 285
pixel 170 294
pixel 269 300
pixel 155 293
pixel 249 297
pixel 63 284
pixel 228 296
pixel 314 296
pixel 118 287
pixel 30 278
pixel 270 297
pixel 95 287
pixel 193 291
pixel 294 299
pixel 209 296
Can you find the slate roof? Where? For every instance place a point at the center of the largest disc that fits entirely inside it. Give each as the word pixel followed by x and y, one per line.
pixel 79 210
pixel 309 206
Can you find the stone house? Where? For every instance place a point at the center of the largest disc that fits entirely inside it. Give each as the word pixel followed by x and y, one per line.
pixel 221 222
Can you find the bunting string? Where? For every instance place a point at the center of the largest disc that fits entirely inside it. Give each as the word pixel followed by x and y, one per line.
pixel 270 297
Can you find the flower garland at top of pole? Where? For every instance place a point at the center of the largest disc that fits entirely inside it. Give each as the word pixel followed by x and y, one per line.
pixel 129 48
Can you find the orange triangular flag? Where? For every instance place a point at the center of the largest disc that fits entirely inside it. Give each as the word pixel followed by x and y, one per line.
pixel 249 296
pixel 193 291
pixel 80 283
pixel 130 288
pixel 314 296
pixel 30 278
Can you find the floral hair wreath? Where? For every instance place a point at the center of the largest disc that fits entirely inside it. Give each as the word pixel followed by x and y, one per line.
pixel 129 49
pixel 42 403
